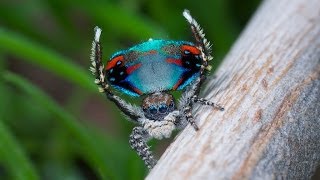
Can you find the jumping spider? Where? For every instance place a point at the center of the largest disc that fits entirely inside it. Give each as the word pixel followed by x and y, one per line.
pixel 152 69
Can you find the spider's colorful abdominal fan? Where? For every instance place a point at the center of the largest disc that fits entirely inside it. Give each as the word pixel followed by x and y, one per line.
pixel 153 66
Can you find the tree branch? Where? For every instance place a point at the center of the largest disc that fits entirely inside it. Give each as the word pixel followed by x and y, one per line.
pixel 269 84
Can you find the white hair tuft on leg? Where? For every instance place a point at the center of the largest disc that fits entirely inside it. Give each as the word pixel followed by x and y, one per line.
pixel 198 33
pixel 97 34
pixel 187 15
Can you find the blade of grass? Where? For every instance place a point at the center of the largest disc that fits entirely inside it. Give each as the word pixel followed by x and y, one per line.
pixel 110 15
pixel 23 21
pixel 98 157
pixel 46 58
pixel 19 20
pixel 14 157
pixel 227 31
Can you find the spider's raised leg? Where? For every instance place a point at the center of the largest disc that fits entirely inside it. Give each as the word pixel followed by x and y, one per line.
pixel 138 142
pixel 98 70
pixel 190 95
pixel 202 43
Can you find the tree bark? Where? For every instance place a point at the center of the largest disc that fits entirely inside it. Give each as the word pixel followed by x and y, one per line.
pixel 269 84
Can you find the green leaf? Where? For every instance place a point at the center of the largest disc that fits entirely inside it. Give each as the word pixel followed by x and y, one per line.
pixel 46 58
pixel 93 149
pixel 121 20
pixel 14 156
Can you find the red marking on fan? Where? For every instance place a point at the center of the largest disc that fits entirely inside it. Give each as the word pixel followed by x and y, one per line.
pixel 174 61
pixel 130 69
pixel 136 90
pixel 150 52
pixel 175 87
pixel 192 49
pixel 113 62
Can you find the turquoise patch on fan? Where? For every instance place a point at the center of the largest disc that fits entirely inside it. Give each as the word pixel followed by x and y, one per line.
pixel 155 44
pixel 188 81
pixel 126 91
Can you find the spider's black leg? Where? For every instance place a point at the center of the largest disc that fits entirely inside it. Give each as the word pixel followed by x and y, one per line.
pixel 186 103
pixel 202 43
pixel 138 142
pixel 191 94
pixel 187 111
pixel 98 70
pixel 204 46
pixel 203 101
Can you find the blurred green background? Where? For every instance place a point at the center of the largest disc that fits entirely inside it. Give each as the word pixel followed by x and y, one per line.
pixel 53 122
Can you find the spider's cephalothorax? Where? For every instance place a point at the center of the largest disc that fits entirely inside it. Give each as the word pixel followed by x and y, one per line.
pixel 158 105
pixel 153 69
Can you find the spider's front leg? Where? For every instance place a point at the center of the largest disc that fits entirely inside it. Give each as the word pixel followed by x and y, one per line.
pixel 149 128
pixel 185 103
pixel 138 142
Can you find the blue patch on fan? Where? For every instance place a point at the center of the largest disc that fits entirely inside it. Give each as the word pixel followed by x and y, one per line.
pixel 155 65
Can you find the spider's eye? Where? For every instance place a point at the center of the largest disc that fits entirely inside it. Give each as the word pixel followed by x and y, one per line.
pixel 157 106
pixel 153 110
pixel 163 108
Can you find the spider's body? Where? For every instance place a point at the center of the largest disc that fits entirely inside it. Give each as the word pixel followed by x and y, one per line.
pixel 153 69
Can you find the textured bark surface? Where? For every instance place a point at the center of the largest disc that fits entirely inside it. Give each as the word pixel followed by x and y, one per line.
pixel 269 84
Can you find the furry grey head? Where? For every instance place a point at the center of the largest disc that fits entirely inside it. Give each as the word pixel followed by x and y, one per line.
pixel 157 105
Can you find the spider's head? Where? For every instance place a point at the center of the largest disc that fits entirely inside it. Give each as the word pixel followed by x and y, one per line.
pixel 157 105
